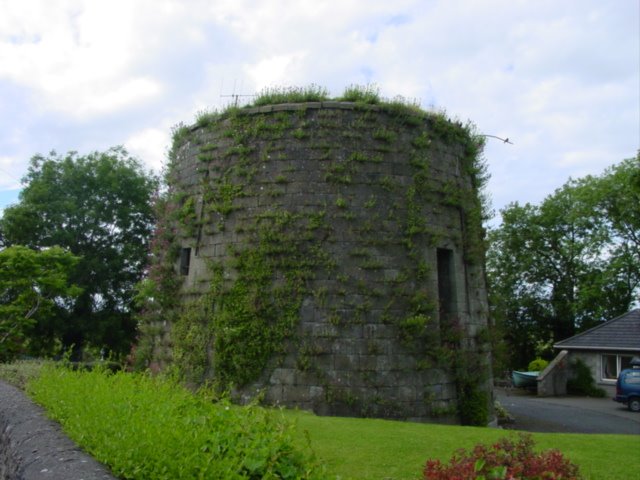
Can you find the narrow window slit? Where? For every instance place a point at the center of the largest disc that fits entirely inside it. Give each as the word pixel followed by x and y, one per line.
pixel 185 260
pixel 446 283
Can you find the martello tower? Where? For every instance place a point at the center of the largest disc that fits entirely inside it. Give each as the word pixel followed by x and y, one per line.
pixel 327 255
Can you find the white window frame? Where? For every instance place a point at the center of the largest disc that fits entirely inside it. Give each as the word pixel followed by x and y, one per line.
pixel 618 365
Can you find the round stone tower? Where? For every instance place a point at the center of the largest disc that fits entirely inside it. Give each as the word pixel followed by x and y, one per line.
pixel 328 256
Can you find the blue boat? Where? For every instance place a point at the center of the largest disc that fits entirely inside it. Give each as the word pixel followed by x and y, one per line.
pixel 524 379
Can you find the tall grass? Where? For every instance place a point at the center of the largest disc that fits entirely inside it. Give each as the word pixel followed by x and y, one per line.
pixel 275 95
pixel 146 428
pixel 369 94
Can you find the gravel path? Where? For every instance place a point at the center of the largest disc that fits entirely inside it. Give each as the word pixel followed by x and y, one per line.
pixel 567 414
pixel 33 447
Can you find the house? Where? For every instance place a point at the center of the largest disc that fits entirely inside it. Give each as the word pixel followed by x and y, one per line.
pixel 606 349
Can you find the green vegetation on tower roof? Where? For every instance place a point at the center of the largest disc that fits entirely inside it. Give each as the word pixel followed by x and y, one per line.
pixel 360 95
pixel 276 95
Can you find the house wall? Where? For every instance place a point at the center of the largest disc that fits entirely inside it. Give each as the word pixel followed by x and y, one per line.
pixel 553 380
pixel 593 361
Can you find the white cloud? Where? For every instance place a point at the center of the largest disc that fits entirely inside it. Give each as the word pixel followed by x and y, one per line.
pixel 276 70
pixel 150 146
pixel 110 97
pixel 76 56
pixel 9 176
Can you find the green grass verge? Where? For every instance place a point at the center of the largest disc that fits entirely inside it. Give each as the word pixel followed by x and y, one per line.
pixel 146 428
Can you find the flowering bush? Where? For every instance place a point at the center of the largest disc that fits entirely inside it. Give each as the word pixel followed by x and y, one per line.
pixel 505 459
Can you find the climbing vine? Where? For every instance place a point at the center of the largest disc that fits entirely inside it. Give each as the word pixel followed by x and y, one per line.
pixel 275 250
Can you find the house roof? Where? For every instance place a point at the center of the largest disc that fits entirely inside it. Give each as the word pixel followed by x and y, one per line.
pixel 621 333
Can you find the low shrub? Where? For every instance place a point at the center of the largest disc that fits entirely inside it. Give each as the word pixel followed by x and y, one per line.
pixel 473 403
pixel 149 428
pixel 538 365
pixel 582 382
pixel 505 459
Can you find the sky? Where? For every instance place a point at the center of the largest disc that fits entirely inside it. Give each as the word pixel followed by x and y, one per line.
pixel 559 78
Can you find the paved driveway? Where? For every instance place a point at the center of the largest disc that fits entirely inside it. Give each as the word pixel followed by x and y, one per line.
pixel 567 414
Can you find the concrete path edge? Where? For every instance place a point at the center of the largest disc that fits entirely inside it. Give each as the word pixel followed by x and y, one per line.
pixel 32 447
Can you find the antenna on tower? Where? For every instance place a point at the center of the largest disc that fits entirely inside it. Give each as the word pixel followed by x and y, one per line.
pixel 504 140
pixel 236 96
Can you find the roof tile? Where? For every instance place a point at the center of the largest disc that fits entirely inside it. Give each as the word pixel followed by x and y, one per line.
pixel 621 333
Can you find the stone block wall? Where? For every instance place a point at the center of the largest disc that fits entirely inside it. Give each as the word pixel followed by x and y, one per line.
pixel 359 221
pixel 552 381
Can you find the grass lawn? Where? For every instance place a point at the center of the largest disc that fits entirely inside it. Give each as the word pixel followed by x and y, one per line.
pixel 380 449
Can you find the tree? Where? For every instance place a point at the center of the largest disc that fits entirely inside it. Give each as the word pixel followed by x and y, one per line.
pixel 617 195
pixel 615 198
pixel 567 264
pixel 98 207
pixel 32 285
